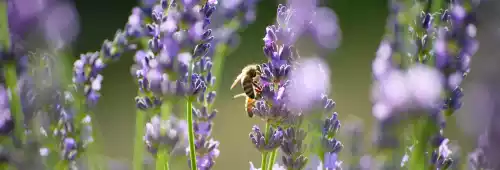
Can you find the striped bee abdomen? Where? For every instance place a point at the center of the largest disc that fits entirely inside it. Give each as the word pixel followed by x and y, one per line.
pixel 248 87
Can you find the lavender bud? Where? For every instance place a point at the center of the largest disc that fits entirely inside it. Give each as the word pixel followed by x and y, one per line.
pixel 258 139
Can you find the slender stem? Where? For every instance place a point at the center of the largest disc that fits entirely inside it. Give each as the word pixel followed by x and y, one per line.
pixel 192 149
pixel 15 101
pixel 139 145
pixel 4 25
pixel 189 117
pixel 265 153
pixel 272 159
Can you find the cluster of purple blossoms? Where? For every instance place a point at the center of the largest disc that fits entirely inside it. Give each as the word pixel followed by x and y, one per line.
pixel 434 57
pixel 455 45
pixel 173 66
pixel 6 123
pixel 168 134
pixel 282 79
pixel 87 80
pixel 329 144
pixel 230 17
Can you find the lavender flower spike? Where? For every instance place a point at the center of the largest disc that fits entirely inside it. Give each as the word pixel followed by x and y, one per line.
pixel 174 64
pixel 170 134
pixel 330 146
pixel 434 57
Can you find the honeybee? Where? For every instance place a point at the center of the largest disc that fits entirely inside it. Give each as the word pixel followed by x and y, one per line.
pixel 249 80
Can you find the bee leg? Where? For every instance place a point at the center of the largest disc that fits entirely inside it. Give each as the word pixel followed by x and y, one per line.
pixel 240 95
pixel 249 106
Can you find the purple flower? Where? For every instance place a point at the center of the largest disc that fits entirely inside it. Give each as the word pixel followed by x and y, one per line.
pixel 275 167
pixel 26 17
pixel 293 148
pixel 207 151
pixel 175 64
pixel 325 28
pixel 441 157
pixel 461 33
pixel 417 88
pixel 232 16
pixel 169 134
pixel 306 16
pixel 259 141
pixel 310 88
pixel 87 77
pixel 332 162
pixel 203 123
pixel 6 122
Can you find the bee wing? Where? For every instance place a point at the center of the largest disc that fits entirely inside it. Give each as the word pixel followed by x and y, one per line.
pixel 236 81
pixel 240 95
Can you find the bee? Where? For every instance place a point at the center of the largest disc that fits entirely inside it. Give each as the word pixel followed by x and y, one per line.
pixel 249 80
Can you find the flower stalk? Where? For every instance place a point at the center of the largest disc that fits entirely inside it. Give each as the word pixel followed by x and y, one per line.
pixel 264 157
pixel 15 102
pixel 424 129
pixel 140 120
pixel 272 159
pixel 189 117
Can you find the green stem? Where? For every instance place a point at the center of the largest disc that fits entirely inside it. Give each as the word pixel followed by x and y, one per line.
pixel 272 159
pixel 4 26
pixel 189 116
pixel 265 153
pixel 424 129
pixel 15 101
pixel 219 57
pixel 162 160
pixel 139 145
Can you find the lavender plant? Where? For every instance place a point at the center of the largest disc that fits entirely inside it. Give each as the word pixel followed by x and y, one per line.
pixel 281 81
pixel 418 71
pixel 175 65
pixel 179 50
